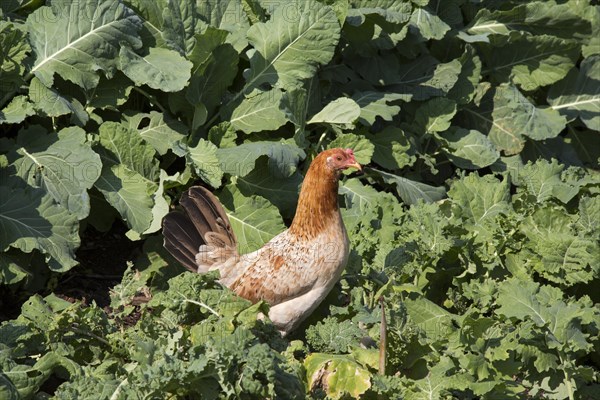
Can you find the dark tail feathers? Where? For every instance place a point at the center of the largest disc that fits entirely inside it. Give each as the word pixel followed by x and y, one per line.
pixel 202 221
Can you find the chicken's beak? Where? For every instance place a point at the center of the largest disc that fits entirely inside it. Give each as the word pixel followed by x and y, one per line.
pixel 355 165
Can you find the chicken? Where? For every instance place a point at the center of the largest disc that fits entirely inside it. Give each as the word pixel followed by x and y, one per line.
pixel 296 269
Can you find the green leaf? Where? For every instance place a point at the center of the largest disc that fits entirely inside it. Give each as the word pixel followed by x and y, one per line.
pixel 280 191
pixel 160 207
pixel 254 220
pixel 429 25
pixel 518 300
pixel 13 52
pixel 180 20
pixel 560 256
pixel 129 193
pixel 363 148
pixel 425 78
pixel 28 379
pixel 288 48
pixel 16 111
pixel 215 68
pixel 480 199
pixel 110 93
pixel 63 165
pixel 53 104
pixel 78 39
pixel 260 112
pixel 512 117
pixel 240 161
pixel 157 129
pixel 437 382
pixel 206 163
pixel 392 148
pixel 589 212
pixel 465 88
pixel 536 17
pixel 341 111
pixel 578 95
pixel 337 375
pixel 227 15
pixel 161 69
pixel 543 181
pixel 469 149
pixel 532 61
pixel 333 336
pixel 435 115
pixel 391 10
pixel 360 196
pixel 411 191
pixel 435 322
pixel 129 174
pixel 41 224
pixel 375 104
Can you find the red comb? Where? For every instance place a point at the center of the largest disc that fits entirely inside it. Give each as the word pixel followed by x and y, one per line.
pixel 350 152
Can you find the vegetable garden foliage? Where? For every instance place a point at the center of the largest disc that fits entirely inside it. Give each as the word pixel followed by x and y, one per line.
pixel 476 220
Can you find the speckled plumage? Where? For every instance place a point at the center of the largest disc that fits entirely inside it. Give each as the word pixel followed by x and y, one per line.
pixel 296 269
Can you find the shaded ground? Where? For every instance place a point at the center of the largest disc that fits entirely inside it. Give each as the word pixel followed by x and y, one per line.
pixel 103 259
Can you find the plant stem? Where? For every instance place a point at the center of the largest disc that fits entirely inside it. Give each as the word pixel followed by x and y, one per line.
pixel 151 99
pixel 382 338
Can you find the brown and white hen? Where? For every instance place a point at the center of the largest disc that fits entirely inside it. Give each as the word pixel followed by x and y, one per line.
pixel 296 269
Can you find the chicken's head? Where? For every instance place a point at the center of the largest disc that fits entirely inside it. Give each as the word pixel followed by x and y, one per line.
pixel 339 159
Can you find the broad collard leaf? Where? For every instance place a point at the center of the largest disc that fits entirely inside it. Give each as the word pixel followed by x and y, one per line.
pixel 434 115
pixel 535 17
pixel 280 191
pixel 578 95
pixel 129 175
pixel 110 93
pixel 77 39
pixel 511 116
pixel 532 61
pixel 157 129
pixel 161 69
pixel 468 79
pixel 16 111
pixel 428 23
pixel 392 148
pixel 240 161
pixel 30 219
pixel 289 47
pixel 426 77
pixel 392 11
pixel 253 219
pixel 375 104
pixel 468 149
pixel 13 52
pixel 362 147
pixel 227 15
pixel 63 165
pixel 260 112
pixel 180 23
pixel 435 322
pixel 52 104
pixel 215 68
pixel 589 213
pixel 206 163
pixel 411 191
pixel 342 111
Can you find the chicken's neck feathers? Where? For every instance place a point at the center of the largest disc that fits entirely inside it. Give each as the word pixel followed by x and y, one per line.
pixel 318 202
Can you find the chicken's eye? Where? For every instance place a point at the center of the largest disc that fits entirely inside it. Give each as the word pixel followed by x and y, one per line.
pixel 339 158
